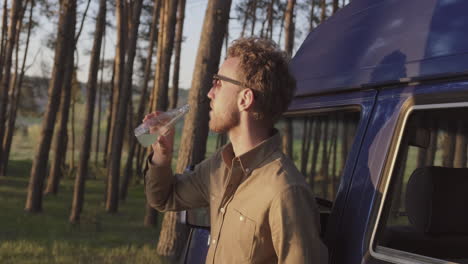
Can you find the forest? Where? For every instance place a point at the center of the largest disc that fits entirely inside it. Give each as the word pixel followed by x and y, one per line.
pixel 71 183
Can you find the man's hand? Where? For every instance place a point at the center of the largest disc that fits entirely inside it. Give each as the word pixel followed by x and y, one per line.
pixel 164 144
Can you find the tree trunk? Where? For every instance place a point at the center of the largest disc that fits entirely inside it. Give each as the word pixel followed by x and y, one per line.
pixel 246 18
pixel 194 135
pixel 287 138
pixel 119 128
pixel 39 168
pixel 17 98
pixel 130 155
pixel 147 74
pixel 334 152
pixel 323 15
pixel 431 150
pixel 3 37
pixel 161 81
pixel 312 15
pixel 448 144
pixel 461 144
pixel 151 214
pixel 79 188
pixel 177 49
pixel 269 30
pixel 99 91
pixel 288 46
pixel 335 6
pixel 254 16
pixel 12 97
pixel 324 162
pixel 5 81
pixel 306 140
pixel 109 119
pixel 315 150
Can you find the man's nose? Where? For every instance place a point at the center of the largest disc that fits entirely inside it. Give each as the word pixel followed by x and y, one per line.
pixel 210 93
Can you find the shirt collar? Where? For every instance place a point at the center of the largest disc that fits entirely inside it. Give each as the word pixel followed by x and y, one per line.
pixel 252 158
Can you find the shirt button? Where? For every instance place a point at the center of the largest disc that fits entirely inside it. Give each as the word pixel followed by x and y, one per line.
pixel 213 241
pixel 247 170
pixel 241 218
pixel 222 210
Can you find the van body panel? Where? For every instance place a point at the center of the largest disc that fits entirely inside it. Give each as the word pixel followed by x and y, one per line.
pixel 377 150
pixel 374 42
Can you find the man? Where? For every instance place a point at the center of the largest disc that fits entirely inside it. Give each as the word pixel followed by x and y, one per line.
pixel 261 209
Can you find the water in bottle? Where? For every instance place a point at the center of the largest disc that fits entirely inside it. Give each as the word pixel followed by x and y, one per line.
pixel 161 124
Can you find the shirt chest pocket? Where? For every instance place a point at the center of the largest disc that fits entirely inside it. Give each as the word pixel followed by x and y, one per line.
pixel 243 234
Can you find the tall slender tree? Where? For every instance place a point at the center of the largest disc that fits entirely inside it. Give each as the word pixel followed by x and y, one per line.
pixel 5 81
pixel 99 100
pixel 177 48
pixel 150 213
pixel 119 127
pixel 16 97
pixel 78 194
pixel 3 36
pixel 132 141
pixel 288 46
pixel 66 29
pixel 195 132
pixel 161 80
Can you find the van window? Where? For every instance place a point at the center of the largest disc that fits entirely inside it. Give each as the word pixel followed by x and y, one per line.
pixel 426 207
pixel 321 143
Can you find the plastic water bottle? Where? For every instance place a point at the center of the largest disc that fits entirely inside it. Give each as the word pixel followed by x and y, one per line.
pixel 163 123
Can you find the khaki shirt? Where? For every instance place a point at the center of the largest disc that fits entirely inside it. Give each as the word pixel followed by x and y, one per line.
pixel 261 209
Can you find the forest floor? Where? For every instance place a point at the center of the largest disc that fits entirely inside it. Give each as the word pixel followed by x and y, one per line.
pixel 48 237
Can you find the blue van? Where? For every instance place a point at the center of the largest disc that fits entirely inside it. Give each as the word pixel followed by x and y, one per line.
pixel 380 127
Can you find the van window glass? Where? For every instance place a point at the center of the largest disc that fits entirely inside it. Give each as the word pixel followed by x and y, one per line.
pixel 425 209
pixel 321 144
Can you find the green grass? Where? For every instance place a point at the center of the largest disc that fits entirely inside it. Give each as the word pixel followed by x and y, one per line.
pixel 48 237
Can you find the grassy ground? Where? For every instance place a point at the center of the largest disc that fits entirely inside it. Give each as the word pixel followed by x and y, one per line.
pixel 49 238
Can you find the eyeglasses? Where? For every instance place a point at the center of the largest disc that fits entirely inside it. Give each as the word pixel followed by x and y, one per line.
pixel 217 78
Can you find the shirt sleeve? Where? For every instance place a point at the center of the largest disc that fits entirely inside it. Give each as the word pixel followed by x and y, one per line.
pixel 294 222
pixel 166 191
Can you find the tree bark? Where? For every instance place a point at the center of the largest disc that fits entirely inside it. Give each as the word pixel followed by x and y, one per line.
pixel 324 162
pixel 119 128
pixel 306 140
pixel 5 80
pixel 130 155
pixel 39 168
pixel 461 145
pixel 17 98
pixel 3 37
pixel 431 150
pixel 315 149
pixel 335 6
pixel 312 15
pixel 161 81
pixel 99 91
pixel 194 135
pixel 79 187
pixel 254 16
pixel 177 48
pixel 448 144
pixel 288 46
pixel 109 118
pixel 323 15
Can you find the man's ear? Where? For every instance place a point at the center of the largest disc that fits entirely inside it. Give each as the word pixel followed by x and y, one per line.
pixel 246 99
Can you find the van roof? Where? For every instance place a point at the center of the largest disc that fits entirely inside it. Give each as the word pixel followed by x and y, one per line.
pixel 370 43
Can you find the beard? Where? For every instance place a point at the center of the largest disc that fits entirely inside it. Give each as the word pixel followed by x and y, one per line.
pixel 223 122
